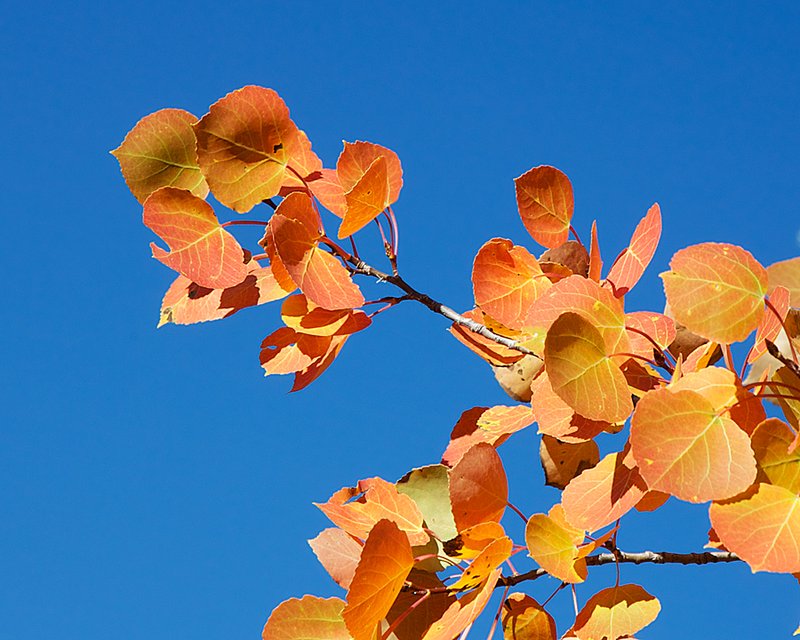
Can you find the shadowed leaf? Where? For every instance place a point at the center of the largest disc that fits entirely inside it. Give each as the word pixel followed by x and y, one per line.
pixel 772 441
pixel 463 612
pixel 786 274
pixel 488 559
pixel 492 426
pixel 563 461
pixel 556 418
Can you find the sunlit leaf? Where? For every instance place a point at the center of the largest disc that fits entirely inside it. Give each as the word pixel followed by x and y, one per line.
pixel 546 204
pixel 526 619
pixel 762 526
pixel 616 612
pixel 595 261
pixel 604 493
pixel 161 151
pixel 492 352
pixel 429 488
pixel 516 379
pixel 356 159
pixel 786 273
pixel 771 442
pixel 556 418
pixel 366 199
pixel 771 324
pixel 632 262
pixel 478 487
pixel 328 190
pixel 307 618
pixel 716 290
pixel 492 426
pixel 185 302
pixel 553 544
pixel 357 509
pixel 306 376
pixel 462 613
pixel 385 562
pixel 586 298
pixel 482 566
pixel 200 248
pixel 245 144
pixel 581 373
pixel 685 448
pixel 657 327
pixel 562 461
pixel 302 315
pixel 506 279
pixel 472 540
pixel 339 553
pixel 286 351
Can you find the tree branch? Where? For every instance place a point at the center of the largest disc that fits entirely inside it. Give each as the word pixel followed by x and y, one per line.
pixel 642 557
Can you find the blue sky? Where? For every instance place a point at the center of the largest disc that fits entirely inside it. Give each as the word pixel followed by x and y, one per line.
pixel 152 483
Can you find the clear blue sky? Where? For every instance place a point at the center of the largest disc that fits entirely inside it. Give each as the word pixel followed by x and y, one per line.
pixel 152 483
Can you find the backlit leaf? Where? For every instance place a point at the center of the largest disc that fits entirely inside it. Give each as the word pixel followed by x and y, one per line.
pixel 562 461
pixel 328 190
pixel 762 526
pixel 472 540
pixel 200 248
pixel 462 613
pixel 429 488
pixel 716 290
pixel 302 315
pixel 246 142
pixel 366 199
pixel 658 327
pixel 339 553
pixel 492 426
pixel 771 442
pixel 306 376
pixel 356 159
pixel 632 262
pixel 478 487
pixel 587 298
pixel 286 351
pixel 357 509
pixel 685 448
pixel 161 151
pixel 771 324
pixel 526 619
pixel 556 418
pixel 482 566
pixel 553 544
pixel 546 204
pixel 786 273
pixel 604 493
pixel 595 261
pixel 581 373
pixel 789 390
pixel 506 279
pixel 307 618
pixel 616 612
pixel 385 562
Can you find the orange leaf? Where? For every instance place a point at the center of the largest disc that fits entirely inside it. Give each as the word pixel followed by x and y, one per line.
pixel 313 371
pixel 462 613
pixel 657 326
pixel 506 279
pixel 307 618
pixel 616 612
pixel 200 248
pixel 545 203
pixel 771 324
pixel 472 540
pixel 286 351
pixel 385 562
pixel 328 190
pixel 778 463
pixel 581 373
pixel 357 509
pixel 604 493
pixel 185 302
pixel 366 199
pixel 302 315
pixel 553 544
pixel 525 619
pixel 339 553
pixel 489 350
pixel 356 159
pixel 685 448
pixel 587 298
pixel 490 558
pixel 563 461
pixel 632 262
pixel 161 151
pixel 478 487
pixel 480 424
pixel 245 144
pixel 786 274
pixel 595 261
pixel 556 418
pixel 761 526
pixel 716 290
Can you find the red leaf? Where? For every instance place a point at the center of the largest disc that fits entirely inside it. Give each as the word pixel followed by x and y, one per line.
pixel 478 487
pixel 632 262
pixel 201 249
pixel 545 203
pixel 161 151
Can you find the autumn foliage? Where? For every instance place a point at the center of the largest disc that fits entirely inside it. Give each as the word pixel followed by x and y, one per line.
pixel 420 557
